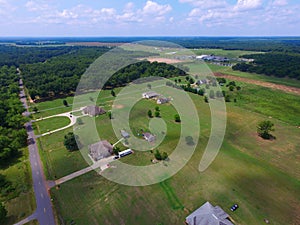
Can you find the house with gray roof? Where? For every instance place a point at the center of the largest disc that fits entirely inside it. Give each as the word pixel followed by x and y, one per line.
pixel 100 150
pixel 162 100
pixel 208 214
pixel 93 110
pixel 125 134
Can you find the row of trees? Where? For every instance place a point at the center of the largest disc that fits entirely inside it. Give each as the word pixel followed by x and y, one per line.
pixel 272 64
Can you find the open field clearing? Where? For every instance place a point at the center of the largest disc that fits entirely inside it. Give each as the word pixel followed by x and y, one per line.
pixel 222 52
pixel 247 171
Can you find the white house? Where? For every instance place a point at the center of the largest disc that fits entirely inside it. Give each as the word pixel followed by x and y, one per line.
pixel 150 94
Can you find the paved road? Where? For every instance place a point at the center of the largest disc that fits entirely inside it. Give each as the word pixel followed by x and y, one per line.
pixel 44 213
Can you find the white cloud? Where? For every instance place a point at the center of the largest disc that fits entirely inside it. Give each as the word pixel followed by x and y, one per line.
pixel 35 6
pixel 279 2
pixel 153 8
pixel 248 5
pixel 204 4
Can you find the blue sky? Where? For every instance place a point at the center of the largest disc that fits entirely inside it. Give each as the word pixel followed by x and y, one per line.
pixel 149 18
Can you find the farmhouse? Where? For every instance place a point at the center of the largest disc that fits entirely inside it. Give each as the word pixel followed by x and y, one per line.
pixel 149 137
pixel 162 100
pixel 93 110
pixel 100 150
pixel 208 214
pixel 150 94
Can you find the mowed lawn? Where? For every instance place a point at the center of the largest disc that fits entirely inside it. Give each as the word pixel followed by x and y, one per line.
pixel 261 176
pixel 51 124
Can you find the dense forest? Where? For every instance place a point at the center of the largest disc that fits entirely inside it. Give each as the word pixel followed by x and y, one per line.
pixel 13 135
pixel 272 64
pixel 59 75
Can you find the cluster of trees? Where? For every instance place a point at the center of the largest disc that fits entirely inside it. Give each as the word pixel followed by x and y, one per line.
pixel 13 135
pixel 156 112
pixel 160 156
pixel 272 64
pixel 59 75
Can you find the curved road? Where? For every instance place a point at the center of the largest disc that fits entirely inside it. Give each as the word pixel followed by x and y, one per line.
pixel 44 213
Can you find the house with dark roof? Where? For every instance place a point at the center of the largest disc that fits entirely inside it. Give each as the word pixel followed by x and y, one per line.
pixel 93 110
pixel 208 214
pixel 100 150
pixel 149 137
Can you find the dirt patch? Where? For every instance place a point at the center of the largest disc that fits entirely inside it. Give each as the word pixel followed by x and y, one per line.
pixel 118 106
pixel 281 87
pixel 164 60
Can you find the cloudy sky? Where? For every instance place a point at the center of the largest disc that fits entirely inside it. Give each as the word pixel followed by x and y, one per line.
pixel 149 18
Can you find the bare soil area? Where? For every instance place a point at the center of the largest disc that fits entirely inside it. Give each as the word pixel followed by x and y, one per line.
pixel 281 87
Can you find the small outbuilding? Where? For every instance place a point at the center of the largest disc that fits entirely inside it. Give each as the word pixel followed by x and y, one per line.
pixel 208 214
pixel 93 110
pixel 125 134
pixel 100 150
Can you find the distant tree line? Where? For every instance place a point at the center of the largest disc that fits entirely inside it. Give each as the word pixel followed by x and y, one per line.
pixel 272 64
pixel 16 56
pixel 141 70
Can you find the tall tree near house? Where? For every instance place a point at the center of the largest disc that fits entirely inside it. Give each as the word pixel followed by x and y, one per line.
pixel 65 103
pixel 149 113
pixel 70 142
pixel 113 93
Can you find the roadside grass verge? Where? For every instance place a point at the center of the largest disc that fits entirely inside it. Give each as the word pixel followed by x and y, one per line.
pixel 22 202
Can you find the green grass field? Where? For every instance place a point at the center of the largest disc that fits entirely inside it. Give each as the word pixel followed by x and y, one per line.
pixel 51 124
pixel 261 176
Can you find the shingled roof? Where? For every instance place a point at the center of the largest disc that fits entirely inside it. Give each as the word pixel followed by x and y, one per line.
pixel 208 214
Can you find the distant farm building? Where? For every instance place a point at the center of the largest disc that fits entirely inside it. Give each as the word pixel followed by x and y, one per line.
pixel 208 214
pixel 100 150
pixel 93 110
pixel 150 94
pixel 162 100
pixel 149 137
